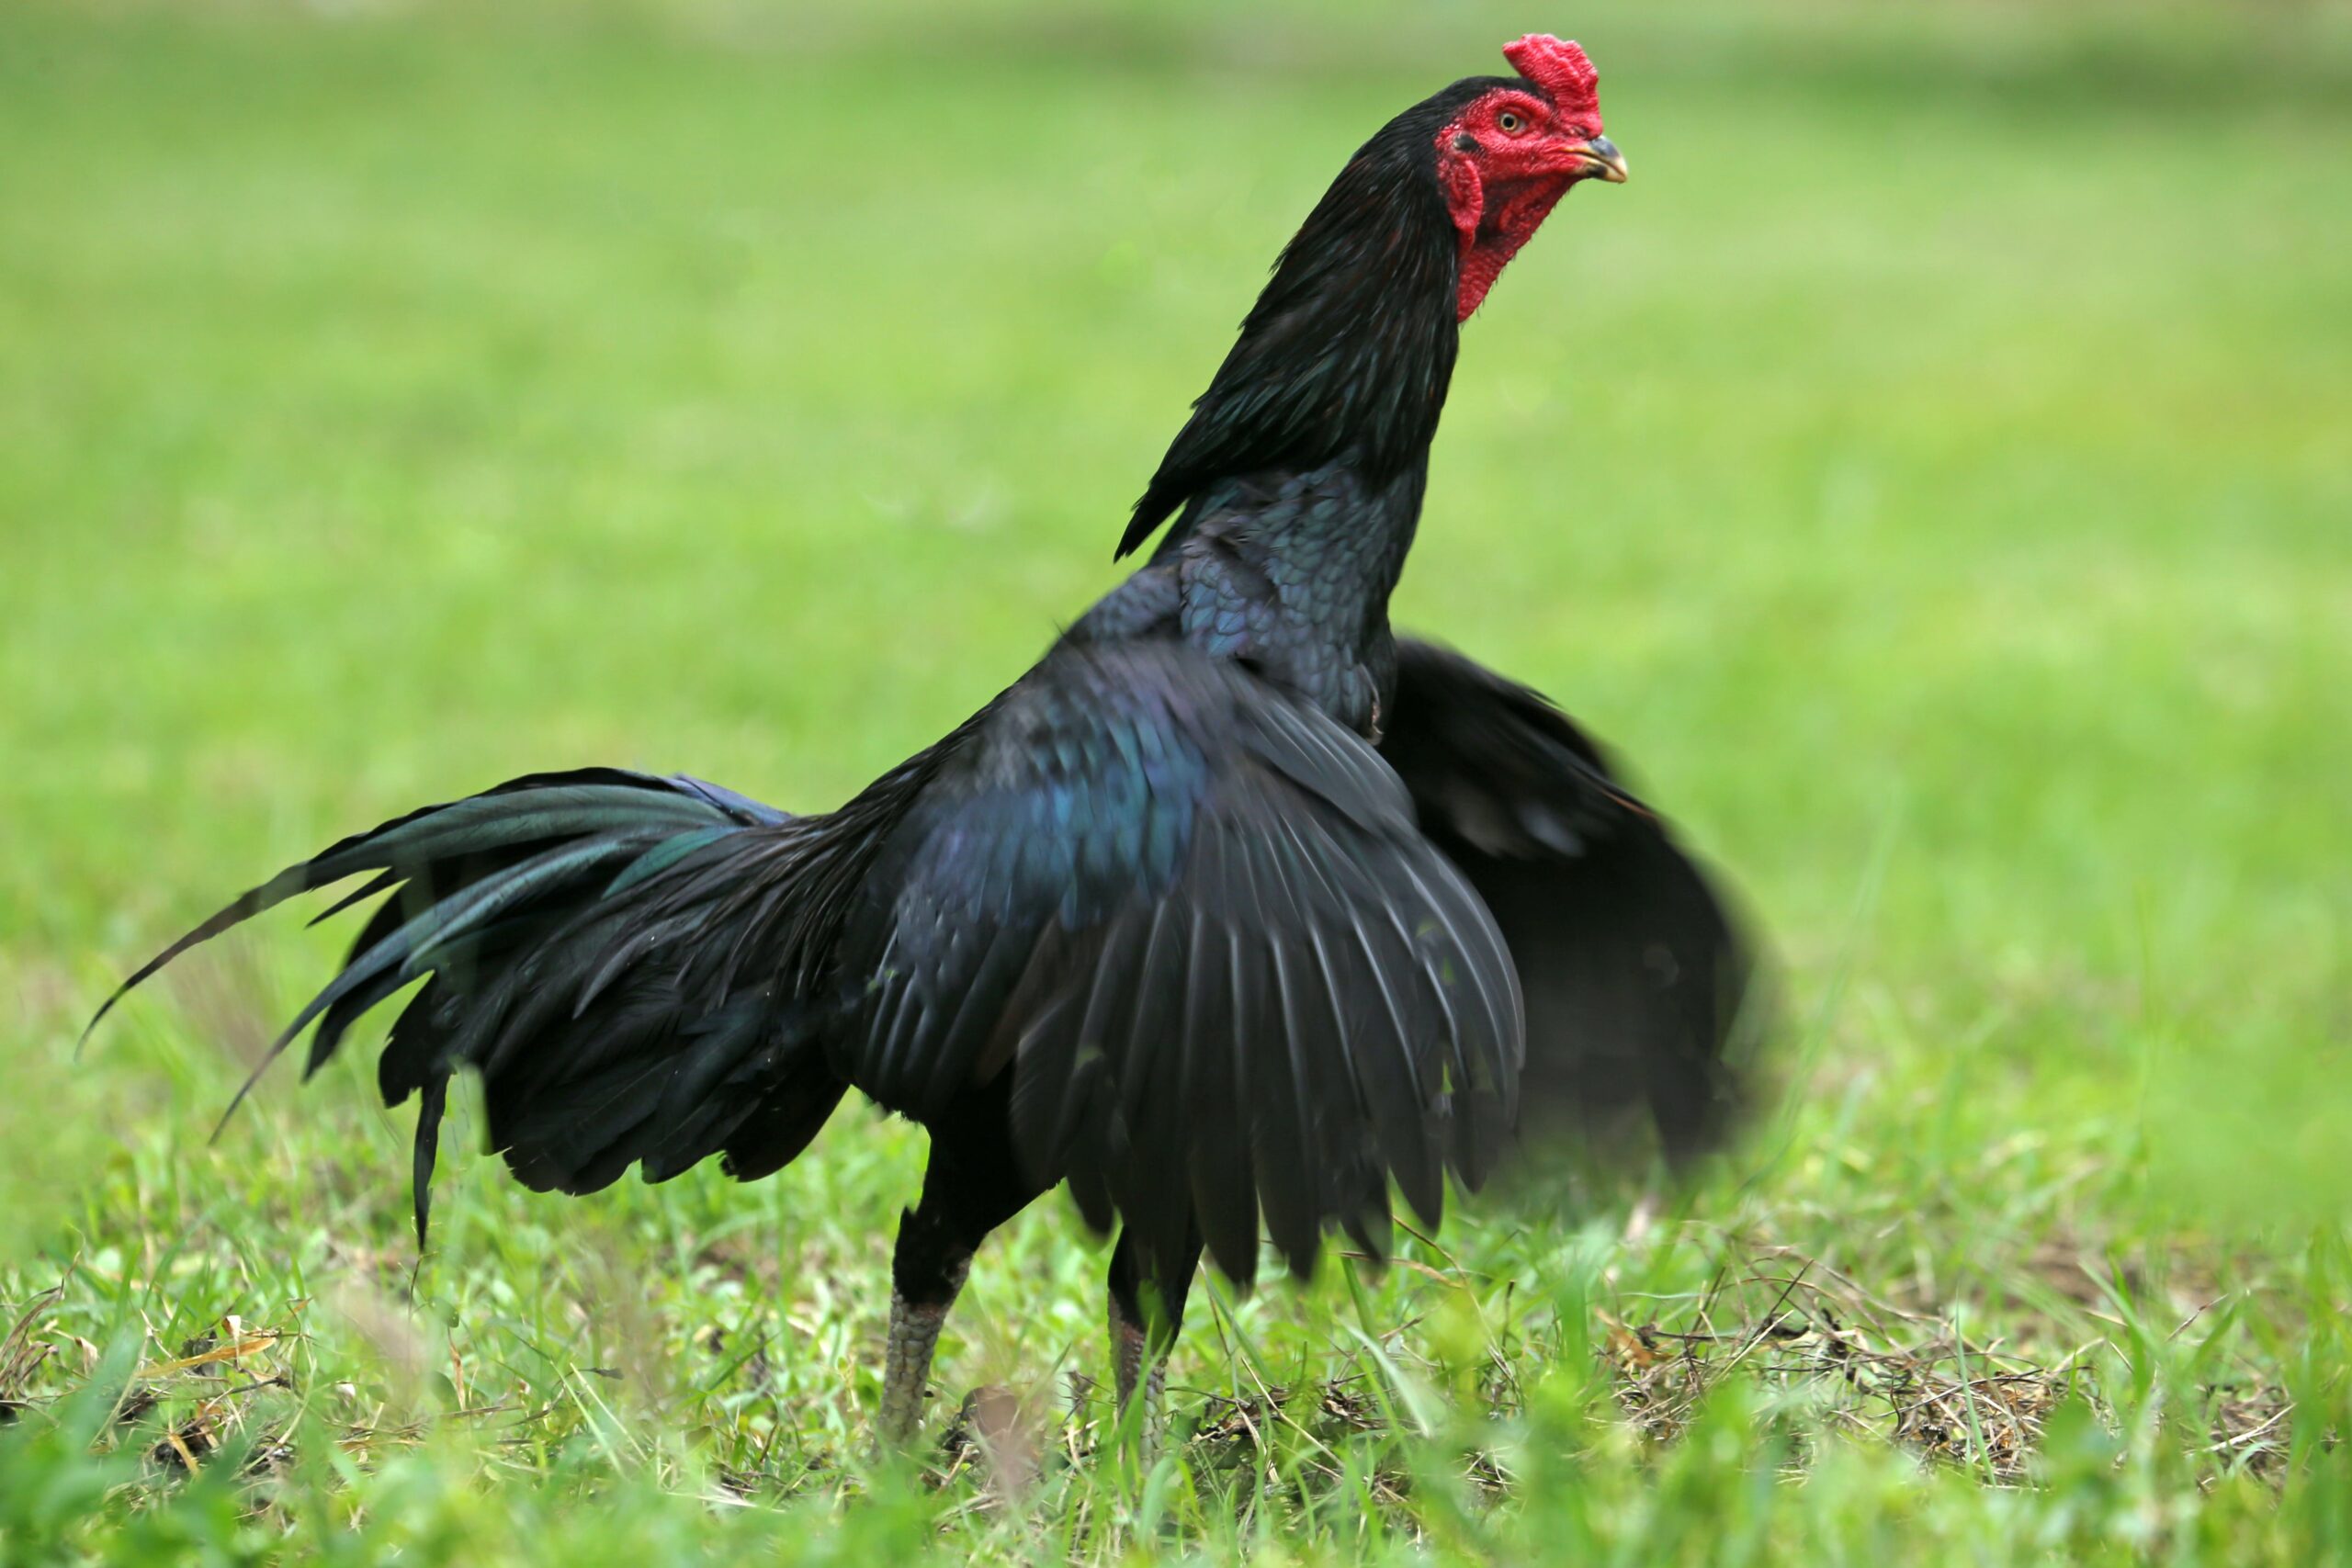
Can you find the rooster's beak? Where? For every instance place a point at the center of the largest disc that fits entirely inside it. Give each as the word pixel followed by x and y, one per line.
pixel 1604 160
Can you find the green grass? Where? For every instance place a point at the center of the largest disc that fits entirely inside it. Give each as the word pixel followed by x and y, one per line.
pixel 1931 470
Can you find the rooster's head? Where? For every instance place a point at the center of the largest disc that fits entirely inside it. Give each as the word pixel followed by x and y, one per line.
pixel 1513 150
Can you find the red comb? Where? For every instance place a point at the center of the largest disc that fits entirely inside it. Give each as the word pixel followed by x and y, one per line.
pixel 1562 69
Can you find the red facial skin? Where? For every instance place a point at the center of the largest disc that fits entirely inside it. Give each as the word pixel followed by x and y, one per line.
pixel 1507 159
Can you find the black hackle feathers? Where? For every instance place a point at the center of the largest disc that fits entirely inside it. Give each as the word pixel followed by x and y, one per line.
pixel 1347 353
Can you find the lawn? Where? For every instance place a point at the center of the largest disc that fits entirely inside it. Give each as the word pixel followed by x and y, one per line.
pixel 1932 470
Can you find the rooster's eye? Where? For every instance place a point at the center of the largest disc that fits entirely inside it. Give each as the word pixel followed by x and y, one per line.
pixel 1509 123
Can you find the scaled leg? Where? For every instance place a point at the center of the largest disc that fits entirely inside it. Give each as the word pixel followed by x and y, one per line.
pixel 973 1184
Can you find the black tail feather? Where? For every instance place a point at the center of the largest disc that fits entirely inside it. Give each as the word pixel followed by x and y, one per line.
pixel 578 936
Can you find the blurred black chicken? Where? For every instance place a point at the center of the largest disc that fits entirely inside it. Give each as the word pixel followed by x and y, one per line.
pixel 1233 909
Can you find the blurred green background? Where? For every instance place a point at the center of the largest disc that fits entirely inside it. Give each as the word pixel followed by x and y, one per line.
pixel 1933 470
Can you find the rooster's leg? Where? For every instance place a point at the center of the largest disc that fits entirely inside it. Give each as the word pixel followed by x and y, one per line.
pixel 973 1184
pixel 1146 1309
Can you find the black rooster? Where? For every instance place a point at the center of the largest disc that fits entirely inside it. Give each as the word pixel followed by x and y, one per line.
pixel 1232 908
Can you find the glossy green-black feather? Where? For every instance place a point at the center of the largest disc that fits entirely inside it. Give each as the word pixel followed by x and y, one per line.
pixel 1186 879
